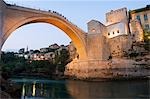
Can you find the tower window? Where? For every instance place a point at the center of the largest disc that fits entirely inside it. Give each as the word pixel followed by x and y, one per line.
pixel 133 35
pixel 138 17
pixel 93 30
pixel 147 26
pixel 117 31
pixel 113 32
pixel 108 33
pixel 145 17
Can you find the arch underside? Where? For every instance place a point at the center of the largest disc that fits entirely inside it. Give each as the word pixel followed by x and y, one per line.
pixel 74 33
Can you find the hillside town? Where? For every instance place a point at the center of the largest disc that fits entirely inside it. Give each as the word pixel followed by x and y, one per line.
pixel 48 53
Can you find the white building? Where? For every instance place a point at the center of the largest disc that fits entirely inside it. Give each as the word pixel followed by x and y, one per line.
pixel 116 29
pixel 117 23
pixel 37 56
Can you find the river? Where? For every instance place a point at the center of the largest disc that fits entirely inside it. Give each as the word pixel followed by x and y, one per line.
pixel 33 88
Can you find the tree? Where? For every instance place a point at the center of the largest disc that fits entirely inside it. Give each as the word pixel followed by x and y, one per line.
pixel 61 59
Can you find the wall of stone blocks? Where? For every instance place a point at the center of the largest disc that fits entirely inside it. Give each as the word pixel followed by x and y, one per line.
pixel 121 15
pixel 136 31
pixel 119 46
pixel 97 46
pixel 95 27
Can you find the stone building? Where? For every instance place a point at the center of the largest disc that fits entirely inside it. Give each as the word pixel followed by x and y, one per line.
pixel 99 51
pixel 116 29
pixel 37 56
pixel 54 46
pixel 136 29
pixel 122 15
pixel 140 29
pixel 139 21
pixel 49 56
pixel 117 25
pixel 142 15
pixel 44 50
pixel 113 36
pixel 118 32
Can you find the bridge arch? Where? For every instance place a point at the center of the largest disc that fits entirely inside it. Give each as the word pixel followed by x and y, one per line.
pixel 75 34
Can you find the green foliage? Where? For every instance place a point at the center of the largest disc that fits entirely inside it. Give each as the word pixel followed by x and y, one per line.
pixel 146 35
pixel 61 60
pixel 11 64
pixel 147 39
pixel 14 65
pixel 41 66
pixel 133 55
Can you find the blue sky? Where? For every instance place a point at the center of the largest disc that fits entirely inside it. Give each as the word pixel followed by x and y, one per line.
pixel 79 12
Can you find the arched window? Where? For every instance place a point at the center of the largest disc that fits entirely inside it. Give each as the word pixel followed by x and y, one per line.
pixel 93 30
pixel 117 31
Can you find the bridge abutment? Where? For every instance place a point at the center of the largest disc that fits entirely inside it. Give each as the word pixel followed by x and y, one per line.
pixel 98 53
pixel 105 70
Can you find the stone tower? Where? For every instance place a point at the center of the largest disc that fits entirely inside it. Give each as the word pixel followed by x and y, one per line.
pixel 117 25
pixel 97 43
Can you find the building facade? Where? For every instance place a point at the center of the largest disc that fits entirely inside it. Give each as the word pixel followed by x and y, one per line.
pixel 122 30
pixel 142 15
pixel 116 29
pixel 117 25
pixel 140 23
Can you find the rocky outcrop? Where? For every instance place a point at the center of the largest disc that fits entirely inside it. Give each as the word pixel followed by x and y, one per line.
pixel 111 69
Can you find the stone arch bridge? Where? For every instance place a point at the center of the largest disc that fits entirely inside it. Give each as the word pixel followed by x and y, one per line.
pixel 91 47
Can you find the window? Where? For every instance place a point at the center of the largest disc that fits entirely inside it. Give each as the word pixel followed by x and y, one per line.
pixel 113 32
pixel 133 35
pixel 146 26
pixel 93 30
pixel 117 31
pixel 138 17
pixel 108 33
pixel 145 17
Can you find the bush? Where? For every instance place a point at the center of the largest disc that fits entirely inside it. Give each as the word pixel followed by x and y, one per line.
pixel 132 55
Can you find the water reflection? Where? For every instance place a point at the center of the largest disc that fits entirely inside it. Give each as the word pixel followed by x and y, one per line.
pixel 42 89
pixel 112 89
pixel 34 90
pixel 50 89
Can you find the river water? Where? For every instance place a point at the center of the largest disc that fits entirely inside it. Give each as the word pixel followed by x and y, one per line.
pixel 31 88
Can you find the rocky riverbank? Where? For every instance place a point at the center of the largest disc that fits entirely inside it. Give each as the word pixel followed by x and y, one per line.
pixel 115 68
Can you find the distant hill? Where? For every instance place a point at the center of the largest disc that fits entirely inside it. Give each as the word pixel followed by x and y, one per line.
pixel 10 50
